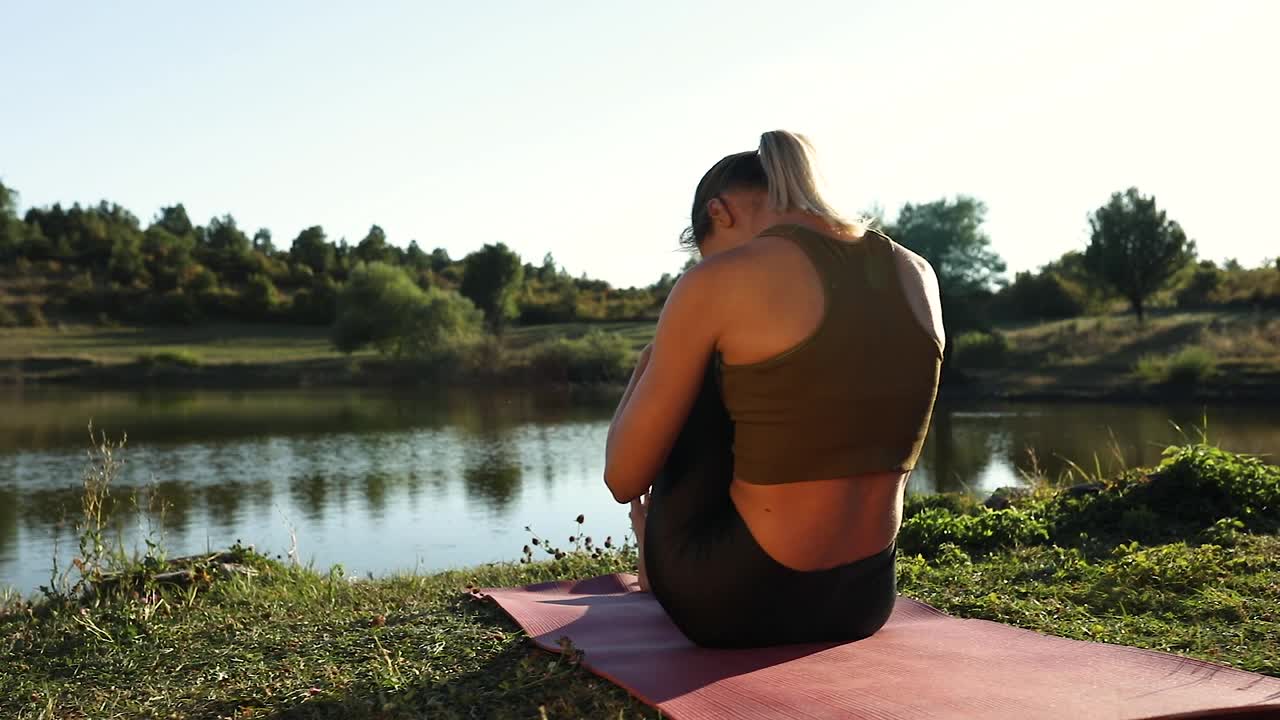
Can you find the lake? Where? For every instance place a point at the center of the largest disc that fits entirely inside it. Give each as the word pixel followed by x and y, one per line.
pixel 380 481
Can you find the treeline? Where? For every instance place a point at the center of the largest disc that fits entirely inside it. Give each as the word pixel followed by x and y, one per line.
pixel 1137 257
pixel 101 263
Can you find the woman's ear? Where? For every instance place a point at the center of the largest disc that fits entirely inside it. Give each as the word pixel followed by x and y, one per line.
pixel 721 215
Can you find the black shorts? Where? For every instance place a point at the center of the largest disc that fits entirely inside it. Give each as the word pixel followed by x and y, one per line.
pixel 717 584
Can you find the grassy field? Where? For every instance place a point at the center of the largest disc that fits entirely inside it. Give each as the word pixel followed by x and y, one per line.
pixel 1182 558
pixel 1218 354
pixel 209 343
pixel 240 342
pixel 1235 353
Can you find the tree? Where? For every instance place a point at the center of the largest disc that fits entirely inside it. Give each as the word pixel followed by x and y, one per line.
pixel 11 235
pixel 224 236
pixel 415 258
pixel 382 306
pixel 374 248
pixel 259 298
pixel 492 280
pixel 175 220
pixel 440 259
pixel 262 242
pixel 948 233
pixel 313 250
pixel 1135 248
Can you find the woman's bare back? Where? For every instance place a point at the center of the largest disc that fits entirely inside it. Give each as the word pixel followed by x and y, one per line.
pixel 821 522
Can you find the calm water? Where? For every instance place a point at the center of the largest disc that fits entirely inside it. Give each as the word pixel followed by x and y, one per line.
pixel 379 481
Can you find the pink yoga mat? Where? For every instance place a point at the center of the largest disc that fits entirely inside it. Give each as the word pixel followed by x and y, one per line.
pixel 922 665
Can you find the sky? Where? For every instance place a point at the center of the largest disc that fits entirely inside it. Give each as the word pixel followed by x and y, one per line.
pixel 582 128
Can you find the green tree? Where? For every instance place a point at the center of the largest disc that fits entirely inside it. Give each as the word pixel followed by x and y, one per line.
pixel 174 219
pixel 1135 248
pixel 948 233
pixel 262 242
pixel 313 250
pixel 415 258
pixel 382 306
pixel 440 259
pixel 223 235
pixel 167 257
pixel 491 280
pixel 260 298
pixel 11 235
pixel 374 248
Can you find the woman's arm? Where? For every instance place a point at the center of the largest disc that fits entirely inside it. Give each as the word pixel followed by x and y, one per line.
pixel 662 390
pixel 641 363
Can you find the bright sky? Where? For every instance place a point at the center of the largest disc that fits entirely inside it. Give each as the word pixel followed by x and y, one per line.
pixel 581 128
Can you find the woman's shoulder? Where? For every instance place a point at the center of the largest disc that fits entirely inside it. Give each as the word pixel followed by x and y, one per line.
pixel 920 284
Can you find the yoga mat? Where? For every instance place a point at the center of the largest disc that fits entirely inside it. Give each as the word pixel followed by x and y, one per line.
pixel 923 664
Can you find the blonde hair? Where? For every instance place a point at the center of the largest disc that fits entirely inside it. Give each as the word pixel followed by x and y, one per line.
pixel 787 159
pixel 783 168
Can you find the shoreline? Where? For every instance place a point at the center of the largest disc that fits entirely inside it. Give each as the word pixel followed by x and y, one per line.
pixel 974 386
pixel 238 634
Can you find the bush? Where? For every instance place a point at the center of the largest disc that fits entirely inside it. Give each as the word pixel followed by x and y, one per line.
pixel 317 304
pixel 7 317
pixel 1189 366
pixel 929 530
pixel 382 306
pixel 180 358
pixel 259 298
pixel 1200 287
pixel 597 357
pixel 174 306
pixel 1043 296
pixel 31 315
pixel 1188 495
pixel 981 350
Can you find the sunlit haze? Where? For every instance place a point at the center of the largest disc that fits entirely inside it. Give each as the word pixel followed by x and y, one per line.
pixel 582 128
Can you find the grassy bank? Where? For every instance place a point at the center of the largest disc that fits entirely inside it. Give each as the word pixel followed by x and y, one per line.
pixel 1227 355
pixel 1211 355
pixel 1183 558
pixel 246 355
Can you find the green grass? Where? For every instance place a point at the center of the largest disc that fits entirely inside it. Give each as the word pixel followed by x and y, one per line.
pixel 213 344
pixel 637 334
pixel 1183 558
pixel 1098 356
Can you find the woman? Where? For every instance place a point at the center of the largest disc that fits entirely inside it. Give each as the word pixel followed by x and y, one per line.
pixel 777 483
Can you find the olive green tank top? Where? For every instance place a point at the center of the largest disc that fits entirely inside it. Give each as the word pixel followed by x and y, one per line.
pixel 856 396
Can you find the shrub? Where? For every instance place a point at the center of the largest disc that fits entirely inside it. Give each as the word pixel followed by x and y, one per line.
pixel 174 306
pixel 382 306
pixel 1200 287
pixel 597 357
pixel 1044 295
pixel 981 349
pixel 31 315
pixel 259 298
pixel 180 358
pixel 929 530
pixel 317 304
pixel 1189 366
pixel 1190 493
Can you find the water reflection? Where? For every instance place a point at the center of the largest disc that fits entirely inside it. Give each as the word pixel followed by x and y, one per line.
pixel 381 481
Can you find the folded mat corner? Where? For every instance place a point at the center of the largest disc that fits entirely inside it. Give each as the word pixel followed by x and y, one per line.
pixel 923 664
